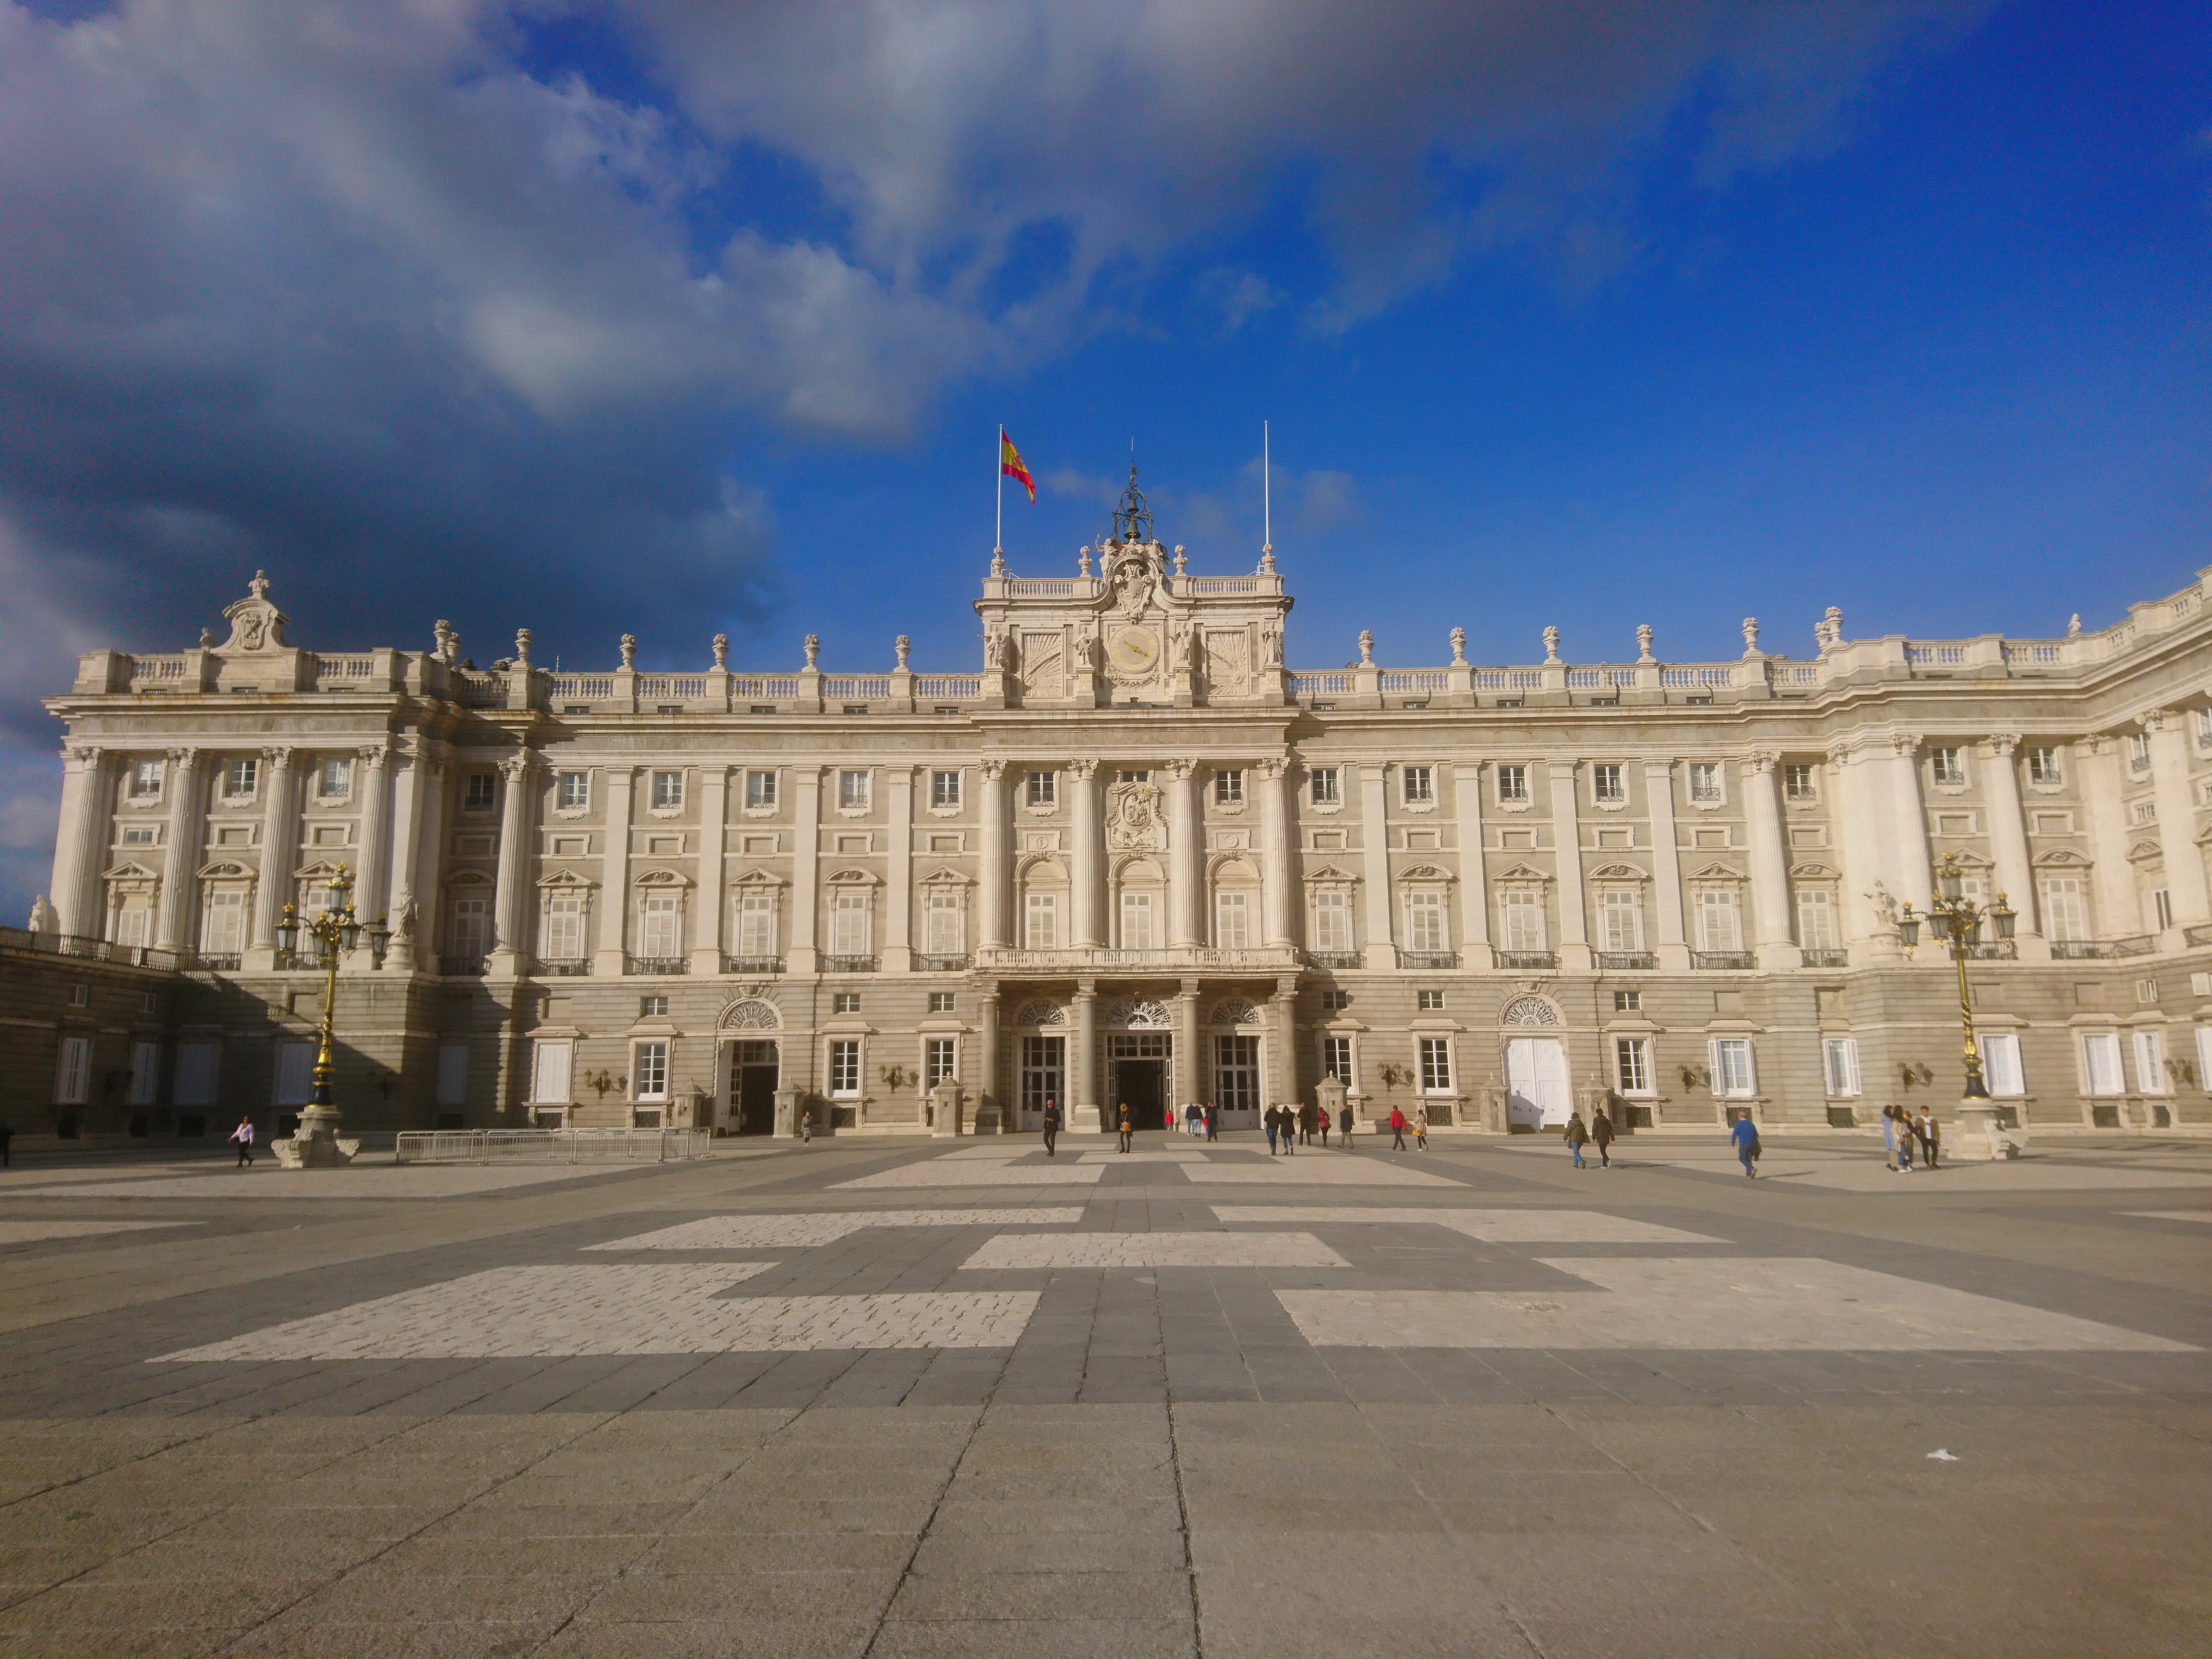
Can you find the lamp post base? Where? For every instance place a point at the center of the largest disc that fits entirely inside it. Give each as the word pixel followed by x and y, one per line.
pixel 1978 1136
pixel 316 1145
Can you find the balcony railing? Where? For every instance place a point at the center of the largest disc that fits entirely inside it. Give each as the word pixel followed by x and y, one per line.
pixel 1720 961
pixel 649 965
pixel 2076 950
pixel 1334 959
pixel 2139 945
pixel 848 965
pixel 219 962
pixel 1527 959
pixel 95 949
pixel 2200 935
pixel 563 967
pixel 1824 958
pixel 460 967
pixel 755 965
pixel 2003 949
pixel 941 964
pixel 1620 961
pixel 1428 959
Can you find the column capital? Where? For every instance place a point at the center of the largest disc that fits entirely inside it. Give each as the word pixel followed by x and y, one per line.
pixel 992 767
pixel 1087 990
pixel 1664 767
pixel 375 754
pixel 1083 768
pixel 1906 745
pixel 1272 767
pixel 185 758
pixel 82 757
pixel 517 767
pixel 279 758
pixel 2002 744
pixel 1182 770
pixel 1763 762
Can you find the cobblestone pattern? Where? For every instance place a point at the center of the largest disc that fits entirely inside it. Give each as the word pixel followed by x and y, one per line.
pixel 1155 1250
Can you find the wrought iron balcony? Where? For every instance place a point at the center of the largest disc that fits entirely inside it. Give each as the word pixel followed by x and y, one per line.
pixel 2076 950
pixel 2138 945
pixel 1335 959
pixel 757 966
pixel 460 967
pixel 656 965
pixel 1721 961
pixel 563 967
pixel 941 964
pixel 1428 959
pixel 218 962
pixel 2003 949
pixel 2198 935
pixel 1824 958
pixel 1617 961
pixel 848 965
pixel 1527 959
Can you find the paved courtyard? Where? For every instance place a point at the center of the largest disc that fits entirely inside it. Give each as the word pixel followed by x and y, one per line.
pixel 894 1399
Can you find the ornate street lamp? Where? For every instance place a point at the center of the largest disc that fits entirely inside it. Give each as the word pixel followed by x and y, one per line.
pixel 1957 921
pixel 325 935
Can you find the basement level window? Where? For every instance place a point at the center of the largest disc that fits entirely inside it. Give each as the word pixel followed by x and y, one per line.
pixel 1705 700
pixel 856 708
pixel 575 708
pixel 1324 709
pixel 761 708
pixel 946 708
pixel 1605 702
pixel 1423 703
pixel 668 708
pixel 1508 703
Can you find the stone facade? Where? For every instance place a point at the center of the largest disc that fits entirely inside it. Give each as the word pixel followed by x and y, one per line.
pixel 1136 858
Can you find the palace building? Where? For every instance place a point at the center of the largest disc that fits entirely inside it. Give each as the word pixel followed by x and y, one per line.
pixel 1134 857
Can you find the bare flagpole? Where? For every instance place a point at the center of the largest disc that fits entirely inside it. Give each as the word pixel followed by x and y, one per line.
pixel 1266 504
pixel 999 535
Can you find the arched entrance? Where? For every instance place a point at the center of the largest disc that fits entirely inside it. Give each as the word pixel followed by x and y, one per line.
pixel 751 1068
pixel 1139 1046
pixel 1538 1092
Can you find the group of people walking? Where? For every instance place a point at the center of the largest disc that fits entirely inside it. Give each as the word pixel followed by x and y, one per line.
pixel 1901 1132
pixel 1598 1134
pixel 1290 1128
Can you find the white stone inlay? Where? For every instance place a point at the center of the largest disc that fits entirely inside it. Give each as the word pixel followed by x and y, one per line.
pixel 940 1172
pixel 1491 1226
pixel 361 1181
pixel 656 1308
pixel 1317 1169
pixel 1710 1303
pixel 33 1232
pixel 754 1232
pixel 1156 1250
pixel 1144 1158
pixel 2171 1215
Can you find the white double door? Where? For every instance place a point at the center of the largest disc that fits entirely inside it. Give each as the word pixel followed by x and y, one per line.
pixel 1537 1096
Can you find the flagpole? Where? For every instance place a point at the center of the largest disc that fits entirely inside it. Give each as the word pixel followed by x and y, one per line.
pixel 1266 504
pixel 998 471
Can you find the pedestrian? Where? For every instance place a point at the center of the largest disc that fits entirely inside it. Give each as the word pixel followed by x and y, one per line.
pixel 1421 1127
pixel 1051 1126
pixel 6 1134
pixel 1323 1114
pixel 1601 1137
pixel 1889 1137
pixel 1213 1122
pixel 1344 1128
pixel 1290 1130
pixel 243 1135
pixel 1929 1135
pixel 1125 1125
pixel 1576 1135
pixel 1309 1121
pixel 1903 1141
pixel 1273 1118
pixel 1746 1137
pixel 806 1127
pixel 1397 1130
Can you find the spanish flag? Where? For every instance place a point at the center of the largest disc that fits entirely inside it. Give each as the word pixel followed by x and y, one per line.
pixel 1012 464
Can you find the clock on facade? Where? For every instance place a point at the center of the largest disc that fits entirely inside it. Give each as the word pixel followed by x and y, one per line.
pixel 1133 650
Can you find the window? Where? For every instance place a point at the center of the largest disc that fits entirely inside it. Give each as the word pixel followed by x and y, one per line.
pixel 1632 1065
pixel 1706 782
pixel 1230 917
pixel 849 918
pixel 141 835
pixel 1429 1002
pixel 1425 921
pixel 145 1074
pixel 549 1071
pixel 944 789
pixel 336 778
pixel 2100 1063
pixel 1335 1001
pixel 667 791
pixel 760 790
pixel 2065 914
pixel 2146 991
pixel 1620 915
pixel 2158 911
pixel 80 996
pixel 940 1002
pixel 564 926
pixel 660 929
pixel 470 934
pixel 1237 1073
pixel 939 1060
pixel 1717 919
pixel 1331 917
pixel 2043 766
pixel 1137 921
pixel 197 1066
pixel 844 1002
pixel 943 933
pixel 1420 785
pixel 1609 782
pixel 1948 765
pixel 1521 919
pixel 1628 1002
pixel 1134 777
pixel 652 1007
pixel 1816 918
pixel 851 790
pixel 1042 1060
pixel 2151 1062
pixel 2139 751
pixel 1435 1066
pixel 844 1068
pixel 134 923
pixel 1512 783
pixel 1325 784
pixel 239 777
pixel 1228 788
pixel 223 932
pixel 2001 1064
pixel 649 1072
pixel 1044 788
pixel 2204 728
pixel 481 793
pixel 572 792
pixel 145 780
pixel 73 1072
pixel 756 925
pixel 1040 921
pixel 1798 781
pixel 1840 1057
pixel 1336 1059
pixel 1733 1078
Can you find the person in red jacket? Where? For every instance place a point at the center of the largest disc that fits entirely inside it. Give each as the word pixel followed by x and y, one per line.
pixel 1397 1130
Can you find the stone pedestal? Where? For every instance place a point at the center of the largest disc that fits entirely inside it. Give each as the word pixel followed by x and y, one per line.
pixel 1976 1136
pixel 1330 1095
pixel 317 1145
pixel 945 1109
pixel 787 1114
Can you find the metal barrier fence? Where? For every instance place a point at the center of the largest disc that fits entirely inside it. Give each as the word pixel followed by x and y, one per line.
pixel 553 1145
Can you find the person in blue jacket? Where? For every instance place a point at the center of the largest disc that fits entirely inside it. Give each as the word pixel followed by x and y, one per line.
pixel 1746 1137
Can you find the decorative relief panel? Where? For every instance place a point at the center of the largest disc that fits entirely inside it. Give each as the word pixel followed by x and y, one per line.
pixel 1136 821
pixel 1042 670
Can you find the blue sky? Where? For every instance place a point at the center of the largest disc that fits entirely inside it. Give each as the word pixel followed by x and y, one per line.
pixel 672 318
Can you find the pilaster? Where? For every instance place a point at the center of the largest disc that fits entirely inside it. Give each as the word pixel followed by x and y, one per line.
pixel 2177 822
pixel 82 842
pixel 280 841
pixel 1473 877
pixel 805 867
pixel 1671 947
pixel 2015 875
pixel 1186 895
pixel 181 869
pixel 714 902
pixel 1769 864
pixel 1090 853
pixel 991 919
pixel 1567 855
pixel 1375 860
pixel 609 959
pixel 1083 1060
pixel 898 897
pixel 1189 1066
pixel 510 948
pixel 1278 857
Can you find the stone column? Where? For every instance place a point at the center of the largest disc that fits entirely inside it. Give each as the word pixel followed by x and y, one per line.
pixel 2015 875
pixel 1858 843
pixel 1567 845
pixel 1282 1068
pixel 280 844
pixel 988 1092
pixel 898 864
pixel 1671 948
pixel 1911 870
pixel 2117 910
pixel 610 960
pixel 1189 1067
pixel 1187 929
pixel 2177 822
pixel 511 907
pixel 991 918
pixel 714 842
pixel 79 841
pixel 805 868
pixel 1375 848
pixel 1771 935
pixel 1474 883
pixel 1083 1059
pixel 1089 854
pixel 427 860
pixel 1279 858
pixel 172 927
pixel 372 789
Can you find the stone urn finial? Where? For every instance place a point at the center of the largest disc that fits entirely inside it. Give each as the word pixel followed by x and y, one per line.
pixel 441 637
pixel 1551 646
pixel 1178 561
pixel 1459 648
pixel 721 651
pixel 1644 642
pixel 629 651
pixel 207 639
pixel 522 648
pixel 1083 561
pixel 1751 636
pixel 1367 647
pixel 813 652
pixel 902 646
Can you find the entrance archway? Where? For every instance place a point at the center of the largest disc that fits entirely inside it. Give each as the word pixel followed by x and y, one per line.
pixel 752 1068
pixel 1139 1050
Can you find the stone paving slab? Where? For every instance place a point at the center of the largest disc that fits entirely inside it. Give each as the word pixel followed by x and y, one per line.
pixel 1316 1169
pixel 978 1173
pixel 747 1232
pixel 35 1232
pixel 373 1180
pixel 1493 1226
pixel 1091 1249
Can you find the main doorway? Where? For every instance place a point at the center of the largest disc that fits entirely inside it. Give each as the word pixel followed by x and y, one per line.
pixel 753 1074
pixel 1137 1077
pixel 1537 1094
